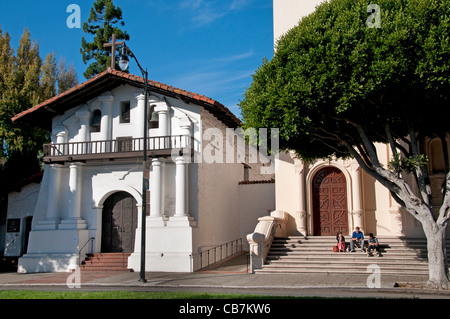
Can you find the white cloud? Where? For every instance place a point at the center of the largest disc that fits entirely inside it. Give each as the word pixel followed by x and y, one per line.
pixel 206 12
pixel 233 58
pixel 191 4
pixel 207 17
pixel 221 75
pixel 239 4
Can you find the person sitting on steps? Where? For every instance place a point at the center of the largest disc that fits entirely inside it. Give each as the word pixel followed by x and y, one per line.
pixel 341 241
pixel 373 244
pixel 357 238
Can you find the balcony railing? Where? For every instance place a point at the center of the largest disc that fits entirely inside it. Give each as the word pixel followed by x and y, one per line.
pixel 119 148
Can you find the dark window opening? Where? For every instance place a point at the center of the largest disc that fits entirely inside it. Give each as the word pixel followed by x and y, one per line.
pixel 96 121
pixel 125 112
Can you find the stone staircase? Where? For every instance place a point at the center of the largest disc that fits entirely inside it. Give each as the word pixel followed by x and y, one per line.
pixel 106 262
pixel 399 256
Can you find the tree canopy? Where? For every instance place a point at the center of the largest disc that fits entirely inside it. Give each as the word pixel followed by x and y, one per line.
pixel 104 21
pixel 332 71
pixel 336 86
pixel 25 81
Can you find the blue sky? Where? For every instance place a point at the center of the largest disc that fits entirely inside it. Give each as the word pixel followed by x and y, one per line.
pixel 210 47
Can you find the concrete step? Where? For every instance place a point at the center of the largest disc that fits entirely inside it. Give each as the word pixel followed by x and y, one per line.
pixel 296 254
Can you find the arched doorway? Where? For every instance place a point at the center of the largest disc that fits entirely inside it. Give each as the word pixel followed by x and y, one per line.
pixel 330 214
pixel 119 223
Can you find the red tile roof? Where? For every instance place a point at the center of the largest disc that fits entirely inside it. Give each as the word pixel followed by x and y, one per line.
pixel 42 113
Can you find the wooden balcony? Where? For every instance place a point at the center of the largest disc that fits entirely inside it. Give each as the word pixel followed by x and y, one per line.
pixel 121 148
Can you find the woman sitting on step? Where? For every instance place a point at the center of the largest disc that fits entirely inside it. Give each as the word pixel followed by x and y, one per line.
pixel 341 241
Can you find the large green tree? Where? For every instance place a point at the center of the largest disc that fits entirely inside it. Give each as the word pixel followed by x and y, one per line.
pixel 25 81
pixel 336 86
pixel 104 20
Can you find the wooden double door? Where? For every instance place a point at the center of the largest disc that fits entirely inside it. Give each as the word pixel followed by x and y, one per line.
pixel 330 213
pixel 119 223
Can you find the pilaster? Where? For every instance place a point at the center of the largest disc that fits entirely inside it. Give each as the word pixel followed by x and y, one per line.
pixel 357 212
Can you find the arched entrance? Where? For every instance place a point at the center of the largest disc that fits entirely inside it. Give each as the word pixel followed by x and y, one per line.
pixel 330 214
pixel 119 223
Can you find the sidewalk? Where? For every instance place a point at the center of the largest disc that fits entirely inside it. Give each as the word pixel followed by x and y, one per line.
pixel 230 277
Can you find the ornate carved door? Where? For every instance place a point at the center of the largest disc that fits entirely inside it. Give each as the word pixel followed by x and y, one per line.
pixel 119 222
pixel 330 214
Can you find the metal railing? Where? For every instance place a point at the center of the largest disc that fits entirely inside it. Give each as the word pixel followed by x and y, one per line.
pixel 90 240
pixel 120 145
pixel 218 253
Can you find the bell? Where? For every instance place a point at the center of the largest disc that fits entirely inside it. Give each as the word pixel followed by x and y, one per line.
pixel 154 117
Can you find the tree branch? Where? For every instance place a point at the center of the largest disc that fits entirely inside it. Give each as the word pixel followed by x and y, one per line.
pixel 446 160
pixel 444 211
pixel 424 187
pixel 368 145
pixel 390 138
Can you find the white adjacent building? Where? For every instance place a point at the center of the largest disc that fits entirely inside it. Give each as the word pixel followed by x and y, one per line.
pixel 325 197
pixel 90 196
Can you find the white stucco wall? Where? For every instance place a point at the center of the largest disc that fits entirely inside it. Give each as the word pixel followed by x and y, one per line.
pixel 20 205
pixel 227 211
pixel 288 13
pixel 255 200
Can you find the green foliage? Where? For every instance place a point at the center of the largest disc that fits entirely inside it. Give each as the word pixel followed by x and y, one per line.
pixel 67 76
pixel 102 24
pixel 25 81
pixel 332 74
pixel 399 164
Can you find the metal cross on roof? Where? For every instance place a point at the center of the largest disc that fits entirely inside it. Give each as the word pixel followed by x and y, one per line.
pixel 113 44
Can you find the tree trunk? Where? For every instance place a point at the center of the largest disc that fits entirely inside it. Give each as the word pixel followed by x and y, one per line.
pixel 438 274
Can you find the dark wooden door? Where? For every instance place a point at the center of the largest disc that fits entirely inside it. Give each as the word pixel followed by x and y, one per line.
pixel 330 214
pixel 119 222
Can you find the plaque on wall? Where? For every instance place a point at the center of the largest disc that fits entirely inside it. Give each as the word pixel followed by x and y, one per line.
pixel 13 225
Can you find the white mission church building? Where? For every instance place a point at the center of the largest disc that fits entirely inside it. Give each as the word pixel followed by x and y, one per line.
pixel 89 199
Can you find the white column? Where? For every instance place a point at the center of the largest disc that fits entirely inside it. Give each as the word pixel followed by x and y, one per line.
pixel 163 111
pixel 140 110
pixel 60 139
pixel 74 219
pixel 185 125
pixel 106 123
pixel 156 192
pixel 181 188
pixel 301 199
pixel 357 213
pixel 74 191
pixel 83 133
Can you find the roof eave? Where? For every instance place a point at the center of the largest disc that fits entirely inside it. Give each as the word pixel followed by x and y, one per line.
pixel 42 114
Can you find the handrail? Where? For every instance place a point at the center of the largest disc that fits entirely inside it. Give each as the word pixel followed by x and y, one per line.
pixel 79 252
pixel 10 243
pixel 235 248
